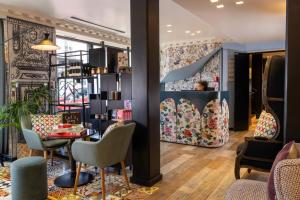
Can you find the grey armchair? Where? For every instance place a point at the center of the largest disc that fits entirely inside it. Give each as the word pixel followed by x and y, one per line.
pixel 34 141
pixel 110 150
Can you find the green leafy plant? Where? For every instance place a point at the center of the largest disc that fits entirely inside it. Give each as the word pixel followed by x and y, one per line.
pixel 11 113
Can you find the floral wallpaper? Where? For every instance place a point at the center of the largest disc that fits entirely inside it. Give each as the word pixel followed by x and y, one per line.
pixel 175 56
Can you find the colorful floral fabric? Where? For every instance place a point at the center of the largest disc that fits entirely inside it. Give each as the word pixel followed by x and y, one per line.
pixel 168 120
pixel 42 123
pixel 188 123
pixel 187 126
pixel 225 122
pixel 211 125
pixel 185 53
pixel 266 126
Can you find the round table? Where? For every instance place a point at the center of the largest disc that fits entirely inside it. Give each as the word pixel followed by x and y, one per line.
pixel 67 180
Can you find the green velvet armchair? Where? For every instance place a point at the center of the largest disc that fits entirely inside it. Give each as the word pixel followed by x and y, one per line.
pixel 34 141
pixel 110 150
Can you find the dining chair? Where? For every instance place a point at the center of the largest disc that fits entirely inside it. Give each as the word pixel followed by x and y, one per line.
pixel 34 141
pixel 108 151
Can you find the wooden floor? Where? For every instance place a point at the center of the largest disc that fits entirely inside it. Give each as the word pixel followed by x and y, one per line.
pixel 199 173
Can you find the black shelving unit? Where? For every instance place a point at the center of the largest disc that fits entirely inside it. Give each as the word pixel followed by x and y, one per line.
pixel 68 91
pixel 96 100
pixel 102 105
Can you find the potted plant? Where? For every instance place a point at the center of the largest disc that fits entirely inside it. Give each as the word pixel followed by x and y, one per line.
pixel 11 113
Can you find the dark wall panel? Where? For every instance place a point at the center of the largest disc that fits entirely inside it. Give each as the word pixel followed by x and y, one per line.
pixel 241 104
pixel 292 94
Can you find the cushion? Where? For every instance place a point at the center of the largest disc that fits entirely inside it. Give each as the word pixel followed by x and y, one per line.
pixel 266 126
pixel 43 123
pixel 289 151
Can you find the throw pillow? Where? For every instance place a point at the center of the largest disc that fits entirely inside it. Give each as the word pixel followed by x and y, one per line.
pixel 289 151
pixel 43 123
pixel 266 126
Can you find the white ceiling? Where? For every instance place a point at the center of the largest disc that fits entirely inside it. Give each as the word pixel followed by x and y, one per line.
pixel 255 21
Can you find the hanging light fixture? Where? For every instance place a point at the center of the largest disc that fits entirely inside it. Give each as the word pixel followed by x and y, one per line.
pixel 46 44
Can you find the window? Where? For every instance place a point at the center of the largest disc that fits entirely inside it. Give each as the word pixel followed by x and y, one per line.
pixel 70 90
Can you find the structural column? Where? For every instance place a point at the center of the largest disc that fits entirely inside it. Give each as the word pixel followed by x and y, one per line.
pixel 145 91
pixel 292 93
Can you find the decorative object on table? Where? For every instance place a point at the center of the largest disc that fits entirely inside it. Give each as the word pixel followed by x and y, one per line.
pixel 71 118
pixel 29 179
pixel 117 150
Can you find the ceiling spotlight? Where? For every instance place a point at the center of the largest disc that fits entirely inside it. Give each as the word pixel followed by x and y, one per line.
pixel 239 2
pixel 214 1
pixel 220 6
pixel 187 32
pixel 169 31
pixel 192 34
pixel 169 25
pixel 198 31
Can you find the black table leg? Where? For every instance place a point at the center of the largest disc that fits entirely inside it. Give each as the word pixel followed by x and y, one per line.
pixel 67 180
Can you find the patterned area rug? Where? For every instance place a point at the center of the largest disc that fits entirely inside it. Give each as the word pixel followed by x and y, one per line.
pixel 115 186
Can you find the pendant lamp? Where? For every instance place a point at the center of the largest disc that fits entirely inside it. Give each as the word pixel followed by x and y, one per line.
pixel 46 45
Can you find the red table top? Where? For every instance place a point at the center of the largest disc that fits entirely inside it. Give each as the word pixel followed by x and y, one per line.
pixel 68 133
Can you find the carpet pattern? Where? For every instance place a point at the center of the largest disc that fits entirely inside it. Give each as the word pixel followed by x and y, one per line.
pixel 115 185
